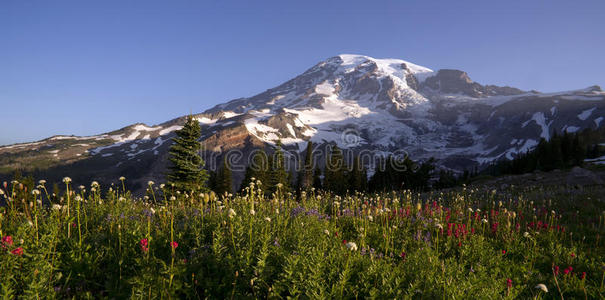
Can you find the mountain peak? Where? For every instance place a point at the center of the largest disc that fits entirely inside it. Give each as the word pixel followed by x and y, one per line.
pixel 386 65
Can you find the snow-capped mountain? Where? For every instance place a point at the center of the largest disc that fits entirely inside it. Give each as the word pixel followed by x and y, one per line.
pixel 358 102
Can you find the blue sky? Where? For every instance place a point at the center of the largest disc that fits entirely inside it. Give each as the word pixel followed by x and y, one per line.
pixel 87 67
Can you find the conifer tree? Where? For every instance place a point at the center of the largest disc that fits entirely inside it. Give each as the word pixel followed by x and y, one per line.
pixel 257 169
pixel 186 170
pixel 356 179
pixel 305 177
pixel 278 172
pixel 334 173
pixel 224 182
pixel 317 179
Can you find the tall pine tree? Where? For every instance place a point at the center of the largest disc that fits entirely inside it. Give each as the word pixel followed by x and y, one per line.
pixel 186 170
pixel 334 173
pixel 223 179
pixel 257 169
pixel 305 177
pixel 278 174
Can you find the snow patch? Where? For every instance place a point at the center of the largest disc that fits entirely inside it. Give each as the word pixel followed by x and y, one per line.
pixel 585 114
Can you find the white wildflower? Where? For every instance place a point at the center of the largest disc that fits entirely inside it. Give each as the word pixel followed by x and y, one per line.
pixel 150 182
pixel 122 178
pixel 94 184
pixel 470 209
pixel 66 179
pixel 81 187
pixel 231 213
pixel 370 218
pixel 252 212
pixel 267 219
pixel 439 226
pixel 327 232
pixel 57 207
pixel 351 246
pixel 172 198
pixel 483 220
pixel 42 181
pixel 35 192
pixel 121 199
pixel 78 198
pixel 526 234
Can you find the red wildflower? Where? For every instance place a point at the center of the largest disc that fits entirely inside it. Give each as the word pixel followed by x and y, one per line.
pixel 144 243
pixel 344 242
pixel 556 270
pixel 583 275
pixel 174 245
pixel 572 255
pixel 7 240
pixel 503 252
pixel 568 270
pixel 18 251
pixel 509 283
pixel 402 255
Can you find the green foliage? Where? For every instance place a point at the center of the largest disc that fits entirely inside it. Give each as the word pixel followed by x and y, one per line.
pixel 186 170
pixel 465 243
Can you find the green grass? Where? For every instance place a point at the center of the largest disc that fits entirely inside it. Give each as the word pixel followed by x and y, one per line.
pixel 278 246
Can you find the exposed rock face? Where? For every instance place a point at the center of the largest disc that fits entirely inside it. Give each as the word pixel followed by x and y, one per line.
pixel 458 82
pixel 365 105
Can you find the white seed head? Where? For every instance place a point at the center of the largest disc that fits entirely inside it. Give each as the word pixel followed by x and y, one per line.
pixel 42 181
pixel 150 182
pixel 231 213
pixel 526 234
pixel 66 179
pixel 122 178
pixel 252 212
pixel 267 219
pixel 35 192
pixel 327 232
pixel 484 221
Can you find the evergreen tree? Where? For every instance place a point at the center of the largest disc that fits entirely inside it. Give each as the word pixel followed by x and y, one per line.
pixel 186 171
pixel 334 173
pixel 305 177
pixel 317 179
pixel 224 183
pixel 257 169
pixel 356 176
pixel 278 173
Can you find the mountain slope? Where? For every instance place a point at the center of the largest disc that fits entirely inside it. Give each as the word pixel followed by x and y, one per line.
pixel 365 105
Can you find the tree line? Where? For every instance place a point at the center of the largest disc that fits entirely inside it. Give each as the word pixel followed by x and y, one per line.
pixel 561 151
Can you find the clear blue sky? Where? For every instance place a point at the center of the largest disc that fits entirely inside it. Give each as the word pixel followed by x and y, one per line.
pixel 87 67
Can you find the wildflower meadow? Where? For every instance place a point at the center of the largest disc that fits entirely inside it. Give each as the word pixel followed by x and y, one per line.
pixel 471 242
